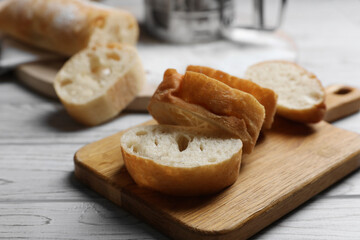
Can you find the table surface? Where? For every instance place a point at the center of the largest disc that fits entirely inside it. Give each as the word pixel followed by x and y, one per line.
pixel 41 199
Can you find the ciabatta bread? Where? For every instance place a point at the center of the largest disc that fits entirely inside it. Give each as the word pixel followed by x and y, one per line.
pixel 201 101
pixel 301 95
pixel 182 161
pixel 265 96
pixel 97 83
pixel 66 26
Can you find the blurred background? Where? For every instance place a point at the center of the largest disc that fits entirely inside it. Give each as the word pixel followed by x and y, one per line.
pixel 40 197
pixel 232 34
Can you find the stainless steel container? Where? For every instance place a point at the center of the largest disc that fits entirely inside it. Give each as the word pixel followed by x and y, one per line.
pixel 187 21
pixel 191 21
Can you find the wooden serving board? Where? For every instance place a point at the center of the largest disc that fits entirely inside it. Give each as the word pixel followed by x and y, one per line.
pixel 290 164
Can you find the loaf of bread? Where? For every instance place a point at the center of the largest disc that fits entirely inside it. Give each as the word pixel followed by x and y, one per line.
pixel 301 95
pixel 182 161
pixel 265 96
pixel 66 26
pixel 97 83
pixel 201 101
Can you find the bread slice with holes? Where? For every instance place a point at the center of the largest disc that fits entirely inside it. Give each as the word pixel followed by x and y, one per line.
pixel 301 95
pixel 181 161
pixel 97 83
pixel 265 96
pixel 200 101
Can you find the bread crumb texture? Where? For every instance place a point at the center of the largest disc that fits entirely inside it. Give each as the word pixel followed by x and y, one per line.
pixel 92 71
pixel 183 147
pixel 296 87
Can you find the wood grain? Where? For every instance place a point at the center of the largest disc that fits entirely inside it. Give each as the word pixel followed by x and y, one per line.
pixel 290 164
pixel 95 219
pixel 341 101
pixel 99 219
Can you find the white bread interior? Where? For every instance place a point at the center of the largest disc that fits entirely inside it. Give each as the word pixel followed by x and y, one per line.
pixel 97 83
pixel 300 94
pixel 178 160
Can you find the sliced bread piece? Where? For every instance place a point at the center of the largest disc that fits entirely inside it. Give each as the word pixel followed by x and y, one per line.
pixel 201 101
pixel 181 161
pixel 97 83
pixel 265 96
pixel 301 95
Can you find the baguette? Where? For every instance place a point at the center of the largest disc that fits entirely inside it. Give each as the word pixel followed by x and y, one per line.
pixel 265 96
pixel 201 101
pixel 181 161
pixel 66 26
pixel 97 83
pixel 301 95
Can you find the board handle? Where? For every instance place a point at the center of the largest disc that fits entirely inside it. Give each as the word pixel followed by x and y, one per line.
pixel 341 101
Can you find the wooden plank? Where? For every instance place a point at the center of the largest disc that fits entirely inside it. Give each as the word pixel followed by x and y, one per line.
pixel 94 219
pixel 318 219
pixel 34 185
pixel 48 123
pixel 99 219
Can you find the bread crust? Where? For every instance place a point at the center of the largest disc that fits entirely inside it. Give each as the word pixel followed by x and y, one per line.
pixel 265 96
pixel 108 105
pixel 182 181
pixel 209 101
pixel 313 114
pixel 65 26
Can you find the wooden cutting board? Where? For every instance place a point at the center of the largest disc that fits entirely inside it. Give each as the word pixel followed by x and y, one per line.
pixel 290 164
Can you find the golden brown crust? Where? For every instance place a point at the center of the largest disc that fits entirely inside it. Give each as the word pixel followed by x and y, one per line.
pixel 63 26
pixel 178 181
pixel 310 115
pixel 265 96
pixel 208 100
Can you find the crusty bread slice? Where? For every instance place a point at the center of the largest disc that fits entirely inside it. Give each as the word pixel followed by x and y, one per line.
pixel 97 83
pixel 182 161
pixel 265 96
pixel 301 95
pixel 201 101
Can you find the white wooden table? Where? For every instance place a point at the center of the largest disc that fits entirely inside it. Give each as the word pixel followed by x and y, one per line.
pixel 41 199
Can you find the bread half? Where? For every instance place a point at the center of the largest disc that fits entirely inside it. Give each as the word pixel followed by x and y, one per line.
pixel 197 100
pixel 181 161
pixel 66 26
pixel 265 96
pixel 97 83
pixel 301 95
